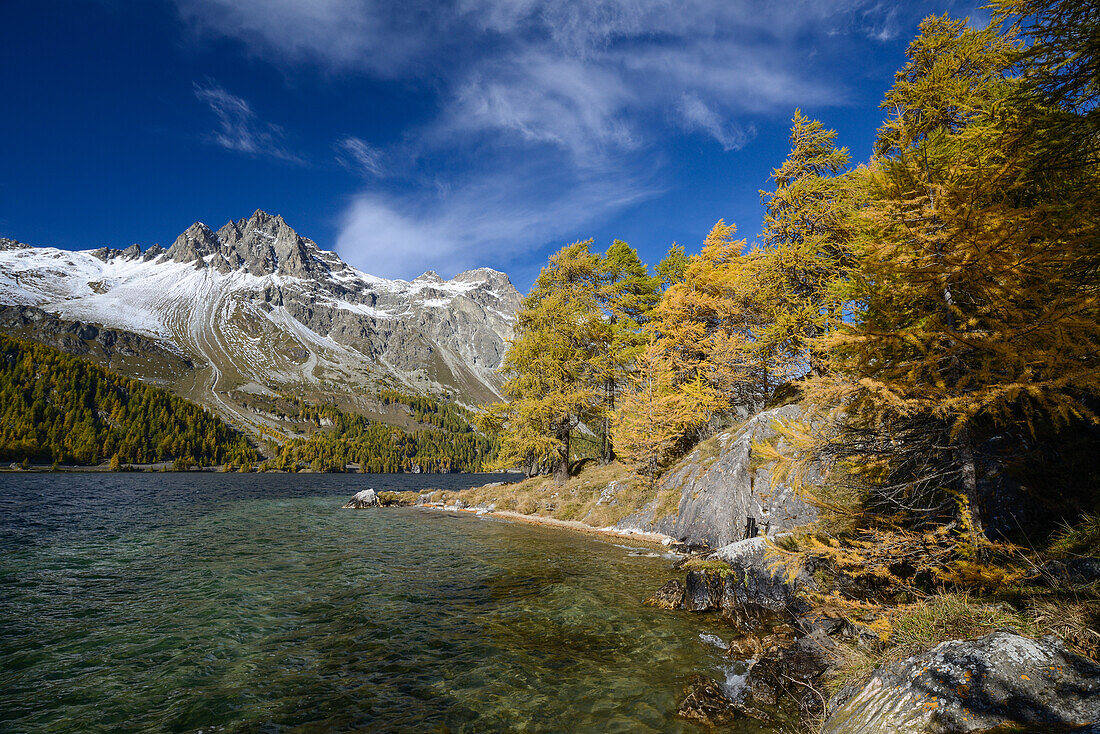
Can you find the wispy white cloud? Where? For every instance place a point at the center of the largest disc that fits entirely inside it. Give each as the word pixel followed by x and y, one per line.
pixel 541 98
pixel 882 23
pixel 238 127
pixel 490 217
pixel 696 115
pixel 375 35
pixel 359 156
pixel 581 86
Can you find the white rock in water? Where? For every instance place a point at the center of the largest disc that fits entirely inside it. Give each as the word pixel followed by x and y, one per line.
pixel 748 552
pixel 366 498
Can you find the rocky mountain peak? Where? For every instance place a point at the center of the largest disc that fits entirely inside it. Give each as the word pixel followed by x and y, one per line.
pixel 496 286
pixel 196 242
pixel 133 252
pixel 8 244
pixel 262 244
pixel 493 278
pixel 265 244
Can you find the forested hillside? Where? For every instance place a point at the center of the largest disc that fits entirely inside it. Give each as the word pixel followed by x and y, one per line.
pixel 55 408
pixel 447 443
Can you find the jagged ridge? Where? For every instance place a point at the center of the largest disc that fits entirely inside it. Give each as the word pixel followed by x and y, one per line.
pixel 261 310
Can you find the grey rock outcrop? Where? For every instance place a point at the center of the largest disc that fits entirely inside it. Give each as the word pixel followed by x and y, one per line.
pixel 726 495
pixel 999 679
pixel 110 347
pixel 750 589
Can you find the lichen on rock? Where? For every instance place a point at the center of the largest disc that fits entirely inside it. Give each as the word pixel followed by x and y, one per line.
pixel 1001 679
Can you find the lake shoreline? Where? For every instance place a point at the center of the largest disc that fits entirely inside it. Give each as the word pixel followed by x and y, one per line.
pixel 167 466
pixel 649 538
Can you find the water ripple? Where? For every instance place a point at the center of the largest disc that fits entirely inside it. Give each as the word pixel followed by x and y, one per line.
pixel 252 603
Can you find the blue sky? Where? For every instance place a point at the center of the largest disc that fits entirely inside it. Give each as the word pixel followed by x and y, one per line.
pixel 426 135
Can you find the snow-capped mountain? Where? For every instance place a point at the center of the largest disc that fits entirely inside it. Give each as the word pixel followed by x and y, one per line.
pixel 259 310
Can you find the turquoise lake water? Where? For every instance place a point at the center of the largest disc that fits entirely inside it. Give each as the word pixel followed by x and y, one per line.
pixel 254 603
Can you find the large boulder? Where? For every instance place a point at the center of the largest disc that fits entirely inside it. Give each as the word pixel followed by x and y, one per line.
pixel 958 686
pixel 1073 571
pixel 757 586
pixel 704 590
pixel 366 498
pixel 748 588
pixel 745 586
pixel 725 490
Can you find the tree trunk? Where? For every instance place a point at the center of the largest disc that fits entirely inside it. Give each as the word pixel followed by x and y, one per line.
pixel 817 363
pixel 561 474
pixel 969 470
pixel 816 356
pixel 968 467
pixel 607 455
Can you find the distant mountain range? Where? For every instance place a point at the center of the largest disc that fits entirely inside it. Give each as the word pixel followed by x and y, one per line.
pixel 237 318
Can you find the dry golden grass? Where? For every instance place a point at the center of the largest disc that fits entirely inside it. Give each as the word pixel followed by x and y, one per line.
pixel 1077 540
pixel 914 628
pixel 577 499
pixel 1075 622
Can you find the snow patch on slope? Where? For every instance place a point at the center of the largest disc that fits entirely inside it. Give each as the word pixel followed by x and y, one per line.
pixel 238 325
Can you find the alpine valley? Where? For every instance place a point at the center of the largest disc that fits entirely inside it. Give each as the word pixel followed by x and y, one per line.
pixel 253 315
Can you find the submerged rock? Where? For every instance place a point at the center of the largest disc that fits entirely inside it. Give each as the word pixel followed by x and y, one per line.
pixel 705 701
pixel 669 596
pixel 366 498
pixel 791 671
pixel 958 686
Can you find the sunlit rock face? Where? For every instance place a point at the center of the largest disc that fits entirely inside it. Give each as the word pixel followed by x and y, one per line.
pixel 726 492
